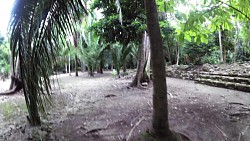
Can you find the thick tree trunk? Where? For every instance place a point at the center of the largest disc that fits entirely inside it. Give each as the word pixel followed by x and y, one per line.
pixel 141 64
pixel 160 104
pixel 31 99
pixel 16 83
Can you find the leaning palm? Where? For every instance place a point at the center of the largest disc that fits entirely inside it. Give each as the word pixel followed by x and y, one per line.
pixel 36 27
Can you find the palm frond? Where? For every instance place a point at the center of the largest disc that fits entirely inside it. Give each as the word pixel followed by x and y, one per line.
pixel 36 27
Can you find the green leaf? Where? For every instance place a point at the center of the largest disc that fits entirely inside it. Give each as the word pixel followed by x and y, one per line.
pixel 181 37
pixel 187 37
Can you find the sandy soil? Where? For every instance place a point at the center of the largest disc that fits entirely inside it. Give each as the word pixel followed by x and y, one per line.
pixel 103 108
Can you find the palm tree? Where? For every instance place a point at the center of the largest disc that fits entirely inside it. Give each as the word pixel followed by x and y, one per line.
pixel 36 27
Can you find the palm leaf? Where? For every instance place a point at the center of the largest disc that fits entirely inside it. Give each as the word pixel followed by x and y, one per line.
pixel 36 27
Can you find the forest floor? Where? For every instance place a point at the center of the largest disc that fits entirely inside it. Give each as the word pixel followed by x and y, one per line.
pixel 103 108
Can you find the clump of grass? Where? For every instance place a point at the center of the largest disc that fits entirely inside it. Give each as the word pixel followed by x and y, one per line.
pixel 12 110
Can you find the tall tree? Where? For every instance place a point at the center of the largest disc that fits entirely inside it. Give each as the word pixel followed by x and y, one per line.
pixel 160 104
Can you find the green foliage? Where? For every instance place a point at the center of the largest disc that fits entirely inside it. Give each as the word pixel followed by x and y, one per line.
pixel 193 53
pixel 213 57
pixel 92 46
pixel 4 58
pixel 133 21
pixel 117 56
pixel 12 110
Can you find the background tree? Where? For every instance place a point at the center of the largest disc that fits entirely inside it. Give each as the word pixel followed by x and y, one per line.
pixel 4 57
pixel 125 28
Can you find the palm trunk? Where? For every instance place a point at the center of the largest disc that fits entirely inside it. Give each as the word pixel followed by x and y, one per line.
pixel 160 103
pixel 31 99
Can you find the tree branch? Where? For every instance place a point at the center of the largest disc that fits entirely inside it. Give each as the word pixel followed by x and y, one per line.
pixel 234 8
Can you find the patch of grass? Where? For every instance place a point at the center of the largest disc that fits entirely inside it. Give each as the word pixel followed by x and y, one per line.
pixel 12 110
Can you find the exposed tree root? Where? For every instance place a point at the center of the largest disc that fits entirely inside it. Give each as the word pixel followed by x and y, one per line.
pixel 131 131
pixel 223 133
pixel 16 88
pixel 96 129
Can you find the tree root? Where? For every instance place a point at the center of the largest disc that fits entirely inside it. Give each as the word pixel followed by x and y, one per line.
pixel 96 129
pixel 131 131
pixel 14 90
pixel 223 133
pixel 243 132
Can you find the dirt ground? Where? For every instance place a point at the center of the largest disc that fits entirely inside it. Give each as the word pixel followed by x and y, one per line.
pixel 103 108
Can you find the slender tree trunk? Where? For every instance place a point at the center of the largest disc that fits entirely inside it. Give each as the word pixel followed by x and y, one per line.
pixel 169 53
pixel 69 66
pixel 160 103
pixel 178 54
pixel 221 48
pixel 236 42
pixel 75 38
pixel 101 67
pixel 224 56
pixel 76 66
pixel 101 63
pixel 82 67
pixel 124 66
pixel 66 70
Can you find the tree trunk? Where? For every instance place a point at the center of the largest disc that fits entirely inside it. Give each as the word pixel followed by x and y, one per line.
pixel 169 53
pixel 16 83
pixel 141 64
pixel 101 67
pixel 76 36
pixel 124 66
pixel 236 42
pixel 66 70
pixel 101 63
pixel 76 66
pixel 222 60
pixel 178 54
pixel 160 104
pixel 30 99
pixel 69 66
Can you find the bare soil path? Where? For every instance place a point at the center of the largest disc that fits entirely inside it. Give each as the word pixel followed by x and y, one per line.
pixel 104 109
